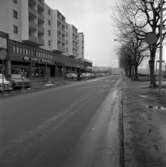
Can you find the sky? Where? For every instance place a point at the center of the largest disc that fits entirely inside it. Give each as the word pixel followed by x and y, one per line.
pixel 93 18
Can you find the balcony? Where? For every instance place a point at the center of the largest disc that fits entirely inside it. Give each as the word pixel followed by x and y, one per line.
pixel 32 3
pixel 32 26
pixel 40 19
pixel 32 13
pixel 41 30
pixel 40 6
pixel 33 39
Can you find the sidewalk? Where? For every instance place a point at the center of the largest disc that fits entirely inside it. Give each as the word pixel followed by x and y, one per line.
pixel 144 125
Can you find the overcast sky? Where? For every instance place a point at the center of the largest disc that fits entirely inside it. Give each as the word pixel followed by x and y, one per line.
pixel 93 17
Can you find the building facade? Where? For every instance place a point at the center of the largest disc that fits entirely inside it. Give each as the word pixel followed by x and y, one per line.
pixel 39 39
pixel 23 20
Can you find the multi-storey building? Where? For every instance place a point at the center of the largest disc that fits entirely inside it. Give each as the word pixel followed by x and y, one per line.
pixel 81 45
pixel 23 20
pixel 71 40
pixel 38 38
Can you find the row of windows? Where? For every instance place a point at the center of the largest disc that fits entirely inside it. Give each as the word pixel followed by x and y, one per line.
pixel 24 51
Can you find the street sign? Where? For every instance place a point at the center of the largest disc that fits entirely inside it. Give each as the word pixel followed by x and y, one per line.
pixel 151 38
pixel 3 54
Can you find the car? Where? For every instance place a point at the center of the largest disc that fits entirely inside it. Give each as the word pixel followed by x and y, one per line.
pixel 87 75
pixel 71 75
pixel 4 83
pixel 19 81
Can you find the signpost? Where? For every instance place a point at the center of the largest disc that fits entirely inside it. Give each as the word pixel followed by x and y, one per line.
pixel 151 38
pixel 161 45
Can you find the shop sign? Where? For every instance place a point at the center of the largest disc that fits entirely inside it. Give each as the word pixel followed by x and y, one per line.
pixel 44 61
pixel 34 59
pixel 26 58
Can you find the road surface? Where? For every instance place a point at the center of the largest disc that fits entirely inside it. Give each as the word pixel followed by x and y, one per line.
pixel 68 126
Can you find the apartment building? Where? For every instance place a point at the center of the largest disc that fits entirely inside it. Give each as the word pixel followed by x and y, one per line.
pixel 39 37
pixel 10 18
pixel 23 20
pixel 81 45
pixel 71 40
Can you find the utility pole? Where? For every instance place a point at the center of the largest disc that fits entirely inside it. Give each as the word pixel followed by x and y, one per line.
pixel 161 46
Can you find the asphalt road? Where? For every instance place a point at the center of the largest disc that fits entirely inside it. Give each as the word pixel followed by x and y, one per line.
pixel 53 128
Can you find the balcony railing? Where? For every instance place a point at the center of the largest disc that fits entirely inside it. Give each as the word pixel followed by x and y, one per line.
pixel 40 18
pixel 41 30
pixel 41 41
pixel 33 38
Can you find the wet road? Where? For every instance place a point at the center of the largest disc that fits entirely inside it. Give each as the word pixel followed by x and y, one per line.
pixel 49 128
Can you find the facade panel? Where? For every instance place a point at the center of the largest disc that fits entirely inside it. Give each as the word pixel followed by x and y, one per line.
pixel 80 45
pixel 72 40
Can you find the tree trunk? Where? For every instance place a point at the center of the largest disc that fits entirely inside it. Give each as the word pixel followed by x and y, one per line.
pixel 152 66
pixel 136 72
pixel 130 71
pixel 152 74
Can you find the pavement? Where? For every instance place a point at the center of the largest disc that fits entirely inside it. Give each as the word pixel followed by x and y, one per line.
pixel 75 125
pixel 144 122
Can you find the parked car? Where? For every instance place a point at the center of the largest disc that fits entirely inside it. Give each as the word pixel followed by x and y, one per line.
pixel 19 81
pixel 71 75
pixel 4 83
pixel 87 75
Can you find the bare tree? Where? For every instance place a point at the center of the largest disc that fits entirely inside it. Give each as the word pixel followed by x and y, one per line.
pixel 143 16
pixel 129 39
pixel 125 60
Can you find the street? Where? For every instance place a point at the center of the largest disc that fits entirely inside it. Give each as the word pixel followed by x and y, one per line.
pixel 67 126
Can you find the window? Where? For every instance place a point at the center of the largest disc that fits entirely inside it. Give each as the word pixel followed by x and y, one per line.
pixel 15 1
pixel 15 29
pixel 49 12
pixel 49 22
pixel 49 33
pixel 49 43
pixel 15 14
